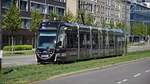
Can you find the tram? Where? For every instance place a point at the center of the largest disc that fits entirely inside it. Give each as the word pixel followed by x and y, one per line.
pixel 67 42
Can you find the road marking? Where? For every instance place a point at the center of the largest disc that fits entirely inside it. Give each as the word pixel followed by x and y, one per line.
pixel 119 82
pixel 147 71
pixel 125 80
pixel 137 75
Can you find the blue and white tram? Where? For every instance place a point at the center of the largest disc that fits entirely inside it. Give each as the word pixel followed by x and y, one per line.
pixel 65 42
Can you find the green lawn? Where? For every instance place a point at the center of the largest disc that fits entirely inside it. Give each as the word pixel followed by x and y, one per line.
pixel 30 73
pixel 18 53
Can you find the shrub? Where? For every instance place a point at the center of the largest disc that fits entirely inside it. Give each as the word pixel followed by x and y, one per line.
pixel 18 47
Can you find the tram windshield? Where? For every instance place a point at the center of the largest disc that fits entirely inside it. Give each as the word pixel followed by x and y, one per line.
pixel 47 39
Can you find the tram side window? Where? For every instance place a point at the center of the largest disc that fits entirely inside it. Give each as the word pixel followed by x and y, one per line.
pixel 111 40
pixel 88 40
pixel 83 40
pixel 101 40
pixel 72 41
pixel 119 40
pixel 95 40
pixel 104 39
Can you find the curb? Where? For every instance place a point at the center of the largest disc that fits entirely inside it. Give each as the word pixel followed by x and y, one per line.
pixel 92 69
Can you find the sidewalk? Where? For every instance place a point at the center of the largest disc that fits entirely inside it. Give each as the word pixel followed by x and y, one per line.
pixel 138 48
pixel 18 60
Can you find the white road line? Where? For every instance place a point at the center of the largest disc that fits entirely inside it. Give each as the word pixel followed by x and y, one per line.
pixel 125 80
pixel 137 75
pixel 147 71
pixel 119 82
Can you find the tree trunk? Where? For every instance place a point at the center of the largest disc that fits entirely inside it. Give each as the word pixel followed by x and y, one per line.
pixel 35 41
pixel 12 45
pixel 148 40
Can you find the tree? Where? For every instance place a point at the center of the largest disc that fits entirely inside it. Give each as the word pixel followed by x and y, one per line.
pixel 79 18
pixel 111 24
pixel 148 29
pixel 68 17
pixel 12 22
pixel 103 23
pixel 138 28
pixel 85 18
pixel 89 20
pixel 121 25
pixel 35 23
pixel 53 16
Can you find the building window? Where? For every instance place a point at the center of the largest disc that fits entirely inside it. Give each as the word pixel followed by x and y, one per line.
pixel 60 0
pixel 60 11
pixel 25 23
pixel 39 7
pixel 6 3
pixel 50 9
pixel 23 6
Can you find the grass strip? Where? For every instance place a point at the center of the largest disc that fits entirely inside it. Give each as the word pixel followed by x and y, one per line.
pixel 30 73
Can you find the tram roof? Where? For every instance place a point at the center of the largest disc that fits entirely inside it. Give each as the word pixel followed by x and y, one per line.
pixel 54 23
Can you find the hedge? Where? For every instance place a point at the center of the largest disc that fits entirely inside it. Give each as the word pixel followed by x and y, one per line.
pixel 18 47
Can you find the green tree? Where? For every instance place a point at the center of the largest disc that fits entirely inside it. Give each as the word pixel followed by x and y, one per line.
pixel 35 23
pixel 148 29
pixel 79 18
pixel 103 24
pixel 85 18
pixel 12 22
pixel 138 28
pixel 53 16
pixel 111 24
pixel 89 20
pixel 121 25
pixel 68 17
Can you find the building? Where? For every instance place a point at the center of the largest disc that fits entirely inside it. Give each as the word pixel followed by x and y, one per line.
pixel 72 5
pixel 140 13
pixel 112 11
pixel 103 11
pixel 143 0
pixel 25 8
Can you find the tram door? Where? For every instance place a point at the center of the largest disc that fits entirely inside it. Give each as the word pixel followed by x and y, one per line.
pixel 84 43
pixel 95 44
pixel 72 43
pixel 100 42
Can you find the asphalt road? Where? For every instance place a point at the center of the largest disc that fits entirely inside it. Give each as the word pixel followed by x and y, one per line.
pixel 25 60
pixel 18 60
pixel 131 73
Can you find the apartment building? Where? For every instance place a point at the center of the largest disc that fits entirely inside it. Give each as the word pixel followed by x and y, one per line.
pixel 112 11
pixel 72 6
pixel 106 11
pixel 25 8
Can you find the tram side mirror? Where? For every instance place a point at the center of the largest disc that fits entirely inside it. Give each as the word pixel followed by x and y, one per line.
pixel 59 43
